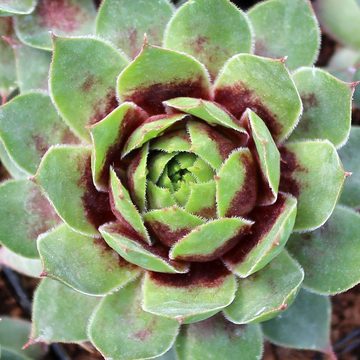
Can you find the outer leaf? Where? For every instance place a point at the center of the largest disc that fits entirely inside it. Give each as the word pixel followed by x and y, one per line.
pixel 65 175
pixel 86 264
pixel 181 75
pixel 62 18
pixel 82 80
pixel 23 265
pixel 286 28
pixel 330 255
pixel 349 156
pixel 240 85
pixel 205 290
pixel 29 125
pixel 24 214
pixel 222 32
pixel 10 165
pixel 202 199
pixel 209 241
pixel 305 325
pixel 14 334
pixel 122 23
pixel 60 314
pixel 120 329
pixel 316 181
pixel 272 228
pixel 216 338
pixel 265 294
pixel 177 140
pixel 17 6
pixel 327 106
pixel 136 251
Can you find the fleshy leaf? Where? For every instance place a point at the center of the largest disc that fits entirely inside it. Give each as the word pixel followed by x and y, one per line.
pixel 170 224
pixel 65 175
pixel 19 7
pixel 272 228
pixel 202 199
pixel 236 184
pixel 120 329
pixel 286 28
pixel 32 67
pixel 209 241
pixel 108 136
pixel 316 181
pixel 82 80
pixel 149 130
pixel 205 290
pixel 29 125
pixel 124 209
pixel 158 162
pixel 222 32
pixel 349 155
pixel 86 264
pixel 24 214
pixel 181 75
pixel 116 22
pixel 14 333
pixel 177 140
pixel 216 338
pixel 240 85
pixel 10 165
pixel 136 251
pixel 159 197
pixel 23 265
pixel 330 255
pixel 305 325
pixel 260 297
pixel 62 18
pixel 327 106
pixel 60 314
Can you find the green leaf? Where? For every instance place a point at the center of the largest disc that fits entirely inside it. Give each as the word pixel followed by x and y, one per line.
pixel 65 176
pixel 340 20
pixel 23 265
pixel 60 314
pixel 14 334
pixel 17 6
pixel 29 125
pixel 330 255
pixel 24 214
pixel 349 156
pixel 181 75
pixel 86 264
pixel 137 252
pixel 316 181
pixel 209 241
pixel 170 224
pixel 286 28
pixel 327 106
pixel 240 85
pixel 82 80
pixel 152 128
pixel 305 325
pixel 177 140
pixel 272 228
pixel 10 165
pixel 32 67
pixel 222 32
pixel 61 18
pixel 205 290
pixel 216 338
pixel 159 197
pixel 265 294
pixel 123 24
pixel 120 329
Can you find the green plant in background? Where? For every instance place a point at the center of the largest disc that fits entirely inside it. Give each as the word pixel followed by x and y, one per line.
pixel 179 194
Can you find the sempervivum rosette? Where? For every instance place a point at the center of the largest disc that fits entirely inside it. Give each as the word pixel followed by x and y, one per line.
pixel 176 198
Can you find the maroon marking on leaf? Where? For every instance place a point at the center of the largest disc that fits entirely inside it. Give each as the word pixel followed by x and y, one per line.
pixel 209 274
pixel 132 36
pixel 207 213
pixel 151 98
pixel 41 144
pixel 309 101
pixel 237 98
pixel 88 83
pixel 264 217
pixel 60 14
pixel 103 106
pixel 144 334
pixel 69 138
pixel 96 204
pixel 245 199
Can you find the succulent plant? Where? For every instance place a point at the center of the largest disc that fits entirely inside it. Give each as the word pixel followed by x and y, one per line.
pixel 156 187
